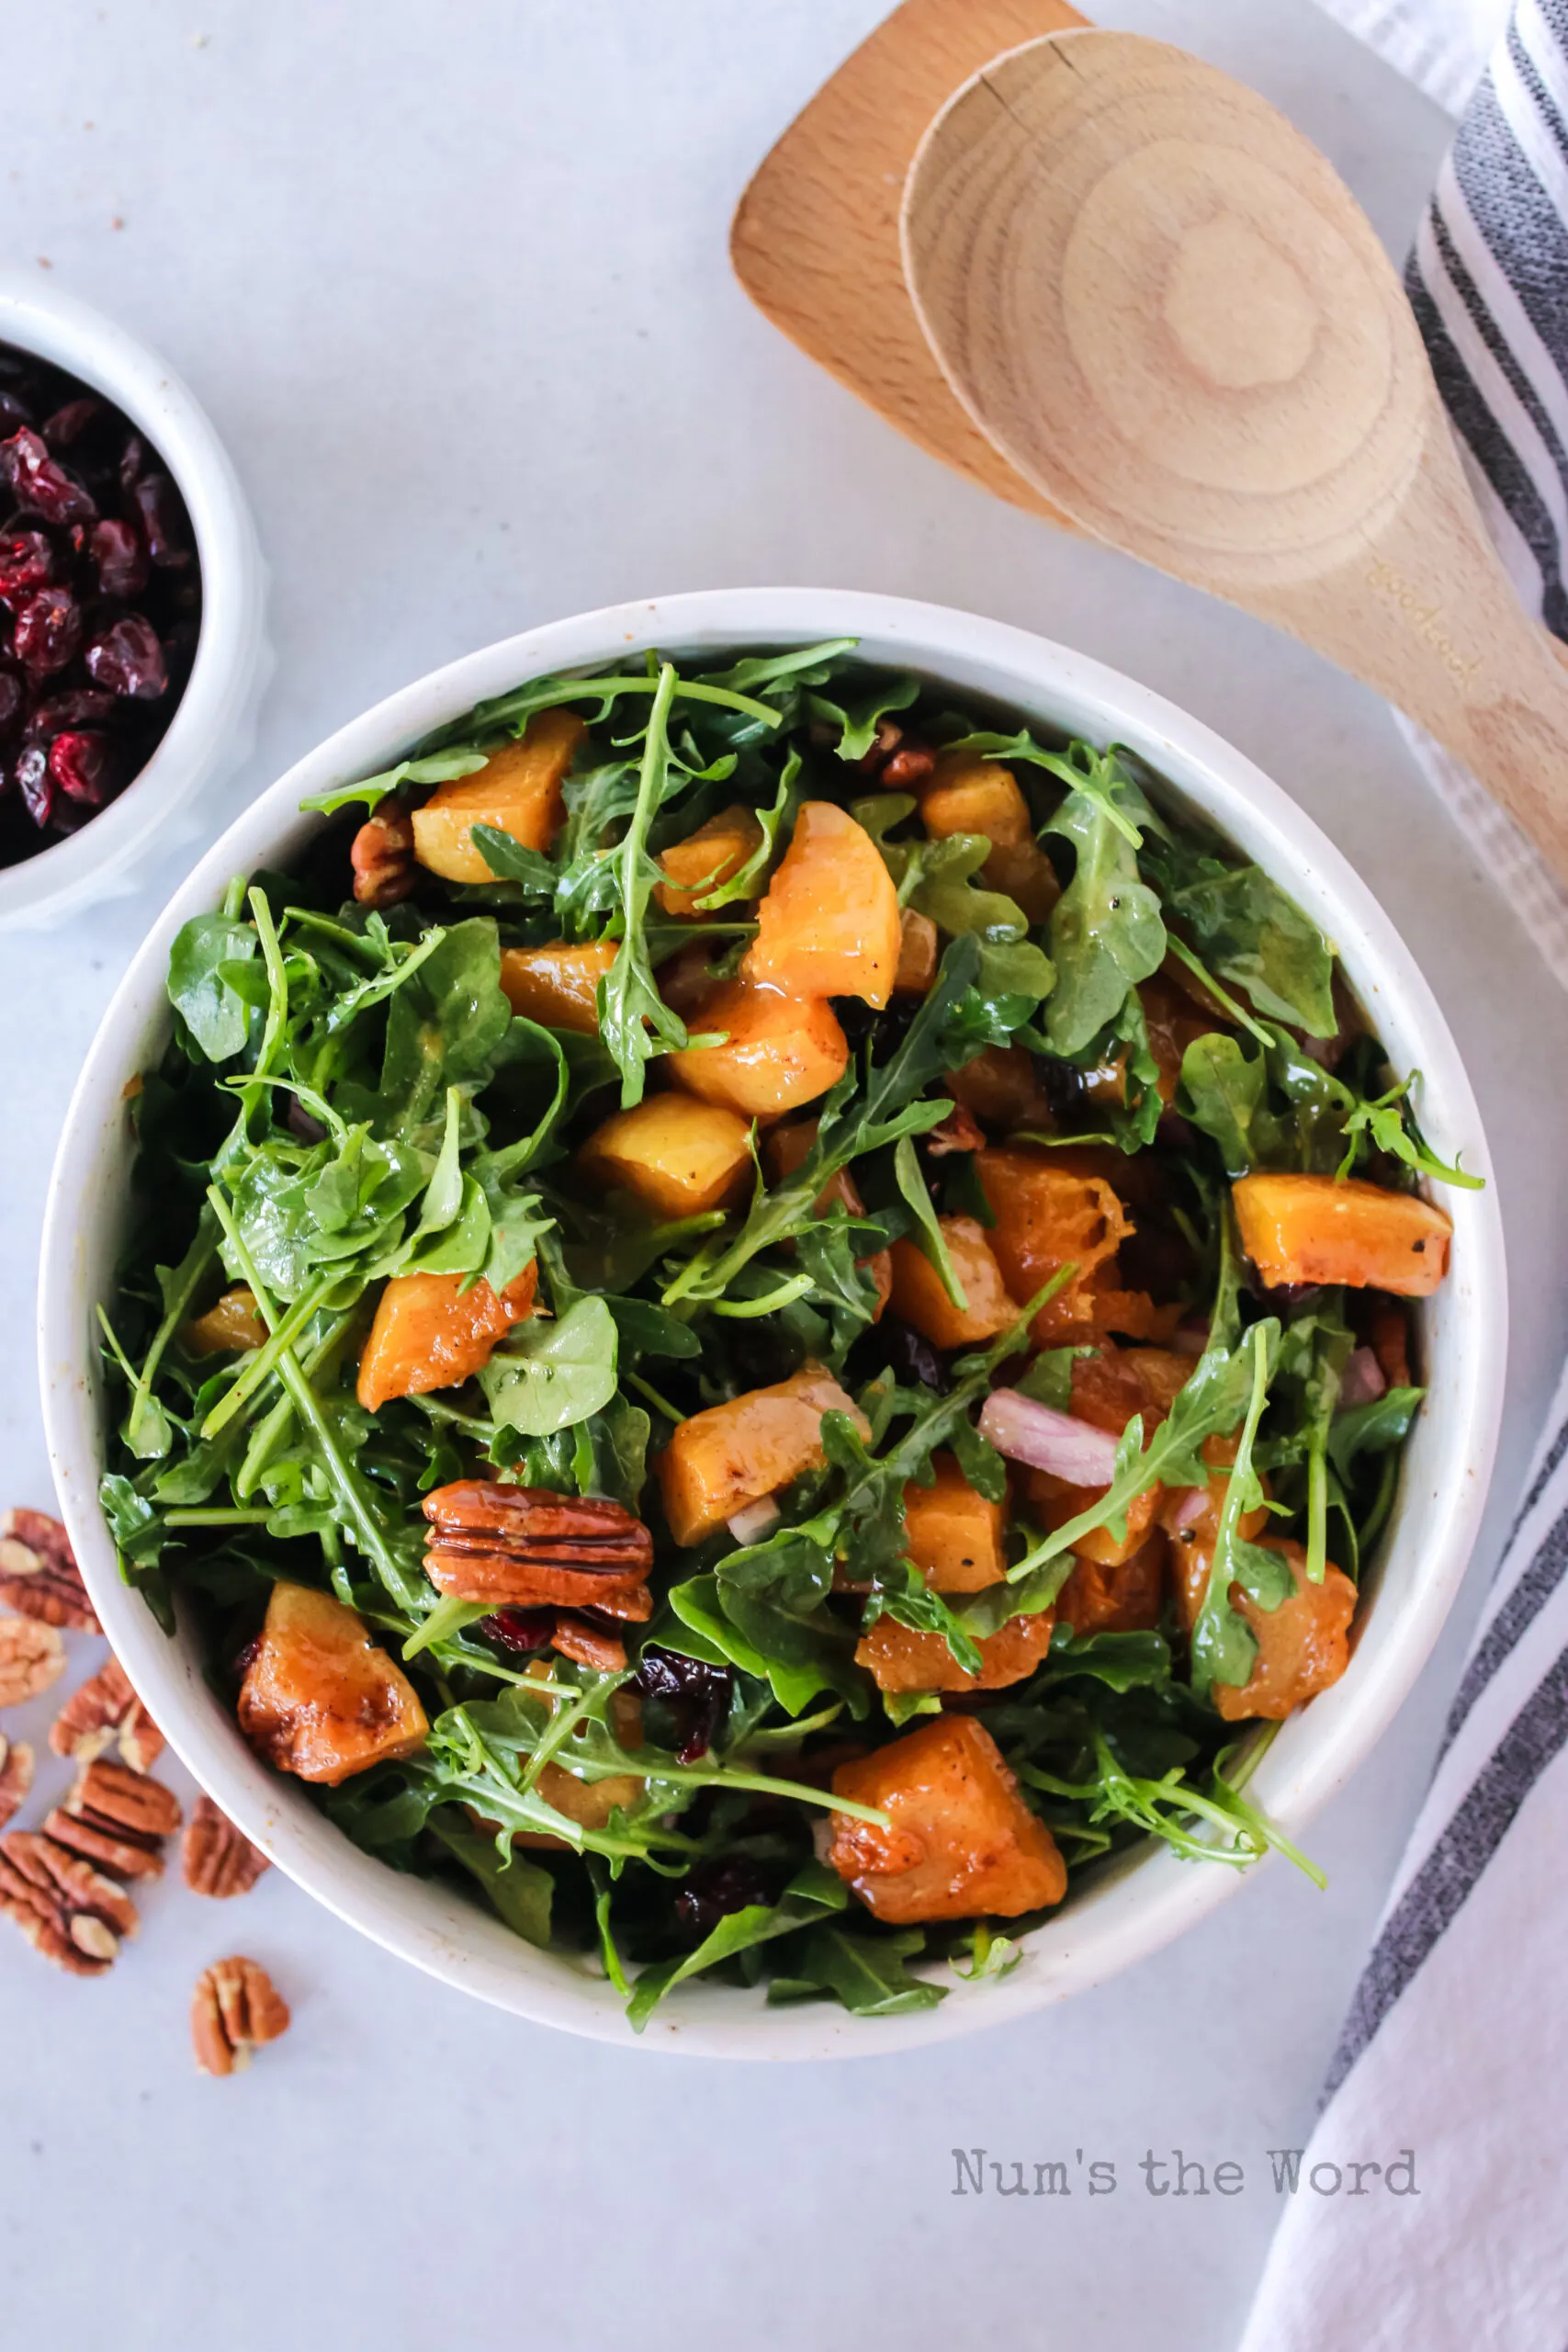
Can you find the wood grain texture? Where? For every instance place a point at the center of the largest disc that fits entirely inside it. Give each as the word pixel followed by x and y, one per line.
pixel 815 240
pixel 1166 308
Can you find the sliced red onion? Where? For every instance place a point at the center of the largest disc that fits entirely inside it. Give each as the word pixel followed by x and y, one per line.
pixel 1191 1337
pixel 1187 1509
pixel 1047 1440
pixel 750 1526
pixel 1362 1382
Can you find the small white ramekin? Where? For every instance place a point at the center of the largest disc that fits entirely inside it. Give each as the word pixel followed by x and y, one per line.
pixel 1147 1896
pixel 214 727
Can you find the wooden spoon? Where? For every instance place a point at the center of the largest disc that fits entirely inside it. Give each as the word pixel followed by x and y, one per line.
pixel 1166 308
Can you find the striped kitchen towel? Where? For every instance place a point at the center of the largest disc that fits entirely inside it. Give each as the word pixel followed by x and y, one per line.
pixel 1453 2062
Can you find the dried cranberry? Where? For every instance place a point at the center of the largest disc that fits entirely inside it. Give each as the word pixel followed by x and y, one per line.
pixel 697 1694
pixel 39 485
pixel 1063 1086
pixel 128 660
pixel 11 698
pixel 161 510
pixel 36 785
pixel 909 1355
pixel 120 558
pixel 68 423
pixel 79 707
pixel 83 765
pixel 49 630
pixel 133 460
pixel 26 561
pixel 711 1891
pixel 518 1629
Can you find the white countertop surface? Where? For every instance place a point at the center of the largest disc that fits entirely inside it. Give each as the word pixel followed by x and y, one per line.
pixel 452 283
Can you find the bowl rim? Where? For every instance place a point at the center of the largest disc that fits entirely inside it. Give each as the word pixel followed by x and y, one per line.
pixel 1148 1897
pixel 208 730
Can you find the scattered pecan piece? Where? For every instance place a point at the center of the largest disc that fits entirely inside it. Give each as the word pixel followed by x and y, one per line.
pixel 884 743
pixel 38 1573
pixel 217 1859
pixel 16 1776
pixel 960 1131
pixel 382 857
pixel 235 2009
pixel 909 767
pixel 588 1645
pixel 117 1819
pixel 32 1656
pixel 66 1909
pixel 104 1710
pixel 527 1545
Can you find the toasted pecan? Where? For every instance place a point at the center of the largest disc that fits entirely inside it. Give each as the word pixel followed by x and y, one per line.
pixel 117 1819
pixel 382 857
pixel 588 1645
pixel 235 2009
pixel 38 1575
pixel 16 1776
pixel 103 1711
pixel 66 1909
pixel 217 1859
pixel 527 1546
pixel 32 1656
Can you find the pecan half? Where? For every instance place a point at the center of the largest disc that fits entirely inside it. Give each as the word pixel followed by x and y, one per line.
pixel 32 1656
pixel 104 1710
pixel 588 1645
pixel 382 857
pixel 910 765
pixel 217 1859
pixel 884 743
pixel 16 1776
pixel 66 1909
pixel 117 1819
pixel 527 1545
pixel 235 2009
pixel 38 1573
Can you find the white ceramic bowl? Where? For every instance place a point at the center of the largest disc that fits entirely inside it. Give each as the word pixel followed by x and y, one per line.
pixel 1147 1896
pixel 214 727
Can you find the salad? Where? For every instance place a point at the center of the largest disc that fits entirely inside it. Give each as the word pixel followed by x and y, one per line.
pixel 765 1315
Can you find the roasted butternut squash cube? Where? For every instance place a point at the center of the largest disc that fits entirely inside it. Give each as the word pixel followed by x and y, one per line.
pixel 829 924
pixel 1047 1217
pixel 1055 1503
pixel 963 1843
pixel 954 1535
pixel 1303 1646
pixel 1108 1388
pixel 712 854
pixel 228 1327
pixel 733 1454
pixel 779 1052
pixel 1128 1599
pixel 899 1657
pixel 1173 1022
pixel 917 953
pixel 1002 1087
pixel 518 791
pixel 920 1299
pixel 972 796
pixel 1333 1230
pixel 587 1802
pixel 429 1332
pixel 677 1155
pixel 320 1699
pixel 558 986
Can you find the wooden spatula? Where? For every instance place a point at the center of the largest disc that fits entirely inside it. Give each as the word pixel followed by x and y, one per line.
pixel 816 238
pixel 1163 306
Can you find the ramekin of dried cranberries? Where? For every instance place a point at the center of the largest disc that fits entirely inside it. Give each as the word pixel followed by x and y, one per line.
pixel 131 606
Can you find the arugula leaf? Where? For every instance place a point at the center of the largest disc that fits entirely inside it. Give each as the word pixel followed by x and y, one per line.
pixel 434 768
pixel 1246 928
pixel 865 1972
pixel 1377 1427
pixel 1106 932
pixel 936 877
pixel 545 1376
pixel 813 1890
pixel 520 1892
pixel 1224 1646
pixel 208 984
pixel 857 716
pixel 1224 1093
pixel 1390 1126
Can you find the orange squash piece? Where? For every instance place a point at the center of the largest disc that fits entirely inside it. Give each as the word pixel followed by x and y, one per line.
pixel 587 1802
pixel 1108 1388
pixel 1002 1087
pixel 518 790
pixel 1333 1230
pixel 676 1155
pixel 228 1327
pixel 320 1699
pixel 917 953
pixel 972 796
pixel 1304 1645
pixel 1049 1216
pixel 733 1454
pixel 779 1052
pixel 429 1332
pixel 954 1536
pixel 961 1842
pixel 830 923
pixel 558 986
pixel 1128 1599
pixel 898 1658
pixel 707 858
pixel 919 1298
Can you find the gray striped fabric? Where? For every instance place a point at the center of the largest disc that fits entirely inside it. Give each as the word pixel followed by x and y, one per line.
pixel 1456 2043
